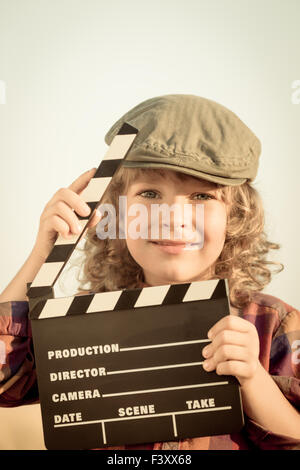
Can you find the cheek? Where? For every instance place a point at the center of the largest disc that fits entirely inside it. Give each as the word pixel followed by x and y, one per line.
pixel 215 220
pixel 136 247
pixel 138 222
pixel 139 251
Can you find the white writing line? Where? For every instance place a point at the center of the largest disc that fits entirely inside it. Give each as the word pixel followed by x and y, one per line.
pixel 220 408
pixel 174 425
pixel 163 345
pixel 154 368
pixel 164 389
pixel 103 432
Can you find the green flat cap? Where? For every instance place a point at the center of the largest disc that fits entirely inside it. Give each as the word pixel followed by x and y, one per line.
pixel 192 135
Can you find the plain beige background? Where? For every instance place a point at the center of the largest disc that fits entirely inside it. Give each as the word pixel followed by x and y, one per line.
pixel 72 67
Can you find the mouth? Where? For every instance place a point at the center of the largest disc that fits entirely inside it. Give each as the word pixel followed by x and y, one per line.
pixel 173 247
pixel 168 243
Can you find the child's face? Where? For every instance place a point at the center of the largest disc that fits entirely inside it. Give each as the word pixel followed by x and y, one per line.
pixel 163 265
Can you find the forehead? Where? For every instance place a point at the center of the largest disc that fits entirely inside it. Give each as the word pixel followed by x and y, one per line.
pixel 169 176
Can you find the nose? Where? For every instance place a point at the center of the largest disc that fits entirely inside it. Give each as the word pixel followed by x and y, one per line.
pixel 177 215
pixel 179 221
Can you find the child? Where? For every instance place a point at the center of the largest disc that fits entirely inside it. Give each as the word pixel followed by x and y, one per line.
pixel 187 147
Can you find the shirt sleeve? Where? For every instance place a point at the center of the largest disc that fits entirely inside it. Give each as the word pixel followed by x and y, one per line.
pixel 18 382
pixel 284 368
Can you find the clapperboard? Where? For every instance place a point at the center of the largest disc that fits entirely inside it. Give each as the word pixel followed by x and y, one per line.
pixel 125 367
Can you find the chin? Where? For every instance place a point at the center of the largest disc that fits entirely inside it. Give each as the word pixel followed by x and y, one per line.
pixel 176 278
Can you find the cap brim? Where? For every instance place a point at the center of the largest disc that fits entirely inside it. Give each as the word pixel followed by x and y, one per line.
pixel 188 171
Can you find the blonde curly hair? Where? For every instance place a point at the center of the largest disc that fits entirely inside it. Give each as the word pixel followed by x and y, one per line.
pixel 109 266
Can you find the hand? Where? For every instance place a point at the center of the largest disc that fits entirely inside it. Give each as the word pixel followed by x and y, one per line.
pixel 234 349
pixel 58 216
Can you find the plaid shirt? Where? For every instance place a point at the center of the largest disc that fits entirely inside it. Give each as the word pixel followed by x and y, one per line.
pixel 278 326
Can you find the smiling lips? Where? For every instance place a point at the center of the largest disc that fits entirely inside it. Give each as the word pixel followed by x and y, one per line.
pixel 168 243
pixel 169 246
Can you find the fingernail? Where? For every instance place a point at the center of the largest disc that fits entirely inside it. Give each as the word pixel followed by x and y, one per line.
pixel 87 209
pixel 206 365
pixel 209 334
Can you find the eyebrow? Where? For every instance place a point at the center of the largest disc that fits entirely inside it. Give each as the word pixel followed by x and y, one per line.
pixel 201 186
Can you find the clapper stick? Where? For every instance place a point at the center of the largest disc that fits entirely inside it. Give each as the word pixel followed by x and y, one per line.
pixel 125 367
pixel 130 299
pixel 47 276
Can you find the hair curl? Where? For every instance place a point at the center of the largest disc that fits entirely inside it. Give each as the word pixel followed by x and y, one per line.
pixel 108 265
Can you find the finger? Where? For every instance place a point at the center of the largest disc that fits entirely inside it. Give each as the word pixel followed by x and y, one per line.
pixel 226 352
pixel 225 337
pixel 230 322
pixel 64 211
pixel 96 217
pixel 82 181
pixel 72 199
pixel 59 225
pixel 239 369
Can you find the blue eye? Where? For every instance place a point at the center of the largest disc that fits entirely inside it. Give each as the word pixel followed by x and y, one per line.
pixel 149 191
pixel 209 196
pixel 206 196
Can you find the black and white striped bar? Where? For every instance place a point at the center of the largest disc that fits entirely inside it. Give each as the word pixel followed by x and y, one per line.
pixel 49 272
pixel 130 299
